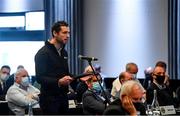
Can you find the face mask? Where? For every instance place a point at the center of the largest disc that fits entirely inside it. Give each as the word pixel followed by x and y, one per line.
pixel 25 81
pixel 160 79
pixel 96 86
pixel 4 77
pixel 140 107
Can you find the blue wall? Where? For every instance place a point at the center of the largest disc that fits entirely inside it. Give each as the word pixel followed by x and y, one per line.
pixel 22 35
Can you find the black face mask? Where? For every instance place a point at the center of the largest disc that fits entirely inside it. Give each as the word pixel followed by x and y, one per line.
pixel 140 107
pixel 160 79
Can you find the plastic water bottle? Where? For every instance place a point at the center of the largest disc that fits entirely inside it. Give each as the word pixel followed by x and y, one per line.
pixel 30 110
pixel 155 105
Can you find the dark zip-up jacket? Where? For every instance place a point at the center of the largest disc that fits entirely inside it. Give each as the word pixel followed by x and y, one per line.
pixel 50 67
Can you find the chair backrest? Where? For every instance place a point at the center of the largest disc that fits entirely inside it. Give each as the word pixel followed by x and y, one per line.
pixel 178 93
pixel 108 82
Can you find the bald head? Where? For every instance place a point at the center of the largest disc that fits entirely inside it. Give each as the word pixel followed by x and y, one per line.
pixel 125 76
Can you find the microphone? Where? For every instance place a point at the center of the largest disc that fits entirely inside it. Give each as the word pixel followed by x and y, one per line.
pixel 87 58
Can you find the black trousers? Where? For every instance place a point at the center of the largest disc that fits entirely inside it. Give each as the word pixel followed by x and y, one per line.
pixel 54 105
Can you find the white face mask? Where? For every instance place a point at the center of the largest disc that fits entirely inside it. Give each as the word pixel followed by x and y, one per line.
pixel 4 77
pixel 25 81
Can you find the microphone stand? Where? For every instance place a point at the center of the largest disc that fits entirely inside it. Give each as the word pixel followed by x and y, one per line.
pixel 107 100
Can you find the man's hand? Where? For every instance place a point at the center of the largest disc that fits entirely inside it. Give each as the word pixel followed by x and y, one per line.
pixel 30 96
pixel 66 80
pixel 128 105
pixel 35 96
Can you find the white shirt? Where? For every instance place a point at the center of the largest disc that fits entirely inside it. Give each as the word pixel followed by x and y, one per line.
pixel 18 98
pixel 116 85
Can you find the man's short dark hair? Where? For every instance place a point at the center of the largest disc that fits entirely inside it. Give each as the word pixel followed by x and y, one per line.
pixel 57 26
pixel 20 66
pixel 161 64
pixel 6 66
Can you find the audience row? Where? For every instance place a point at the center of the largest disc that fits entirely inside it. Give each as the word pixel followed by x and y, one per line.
pixel 127 97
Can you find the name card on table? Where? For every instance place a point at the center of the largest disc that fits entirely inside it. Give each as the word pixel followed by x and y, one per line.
pixel 166 110
pixel 72 104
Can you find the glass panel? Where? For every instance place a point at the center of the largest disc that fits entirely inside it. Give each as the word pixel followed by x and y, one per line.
pixel 12 21
pixel 35 20
pixel 15 53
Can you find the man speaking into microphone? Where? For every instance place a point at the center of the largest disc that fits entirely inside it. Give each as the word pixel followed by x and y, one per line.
pixel 52 72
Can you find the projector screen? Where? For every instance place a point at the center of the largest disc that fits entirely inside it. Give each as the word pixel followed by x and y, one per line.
pixel 14 53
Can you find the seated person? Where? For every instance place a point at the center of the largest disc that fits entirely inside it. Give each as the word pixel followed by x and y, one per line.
pixel 116 85
pixel 93 102
pixel 164 93
pixel 80 89
pixel 82 86
pixel 164 66
pixel 4 85
pixel 132 68
pixel 124 76
pixel 98 70
pixel 11 77
pixel 21 93
pixel 130 100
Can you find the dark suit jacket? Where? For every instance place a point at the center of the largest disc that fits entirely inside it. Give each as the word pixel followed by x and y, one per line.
pixel 6 85
pixel 92 103
pixel 50 67
pixel 80 89
pixel 164 96
pixel 115 108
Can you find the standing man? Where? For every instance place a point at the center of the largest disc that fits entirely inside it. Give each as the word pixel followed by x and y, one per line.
pixel 51 64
